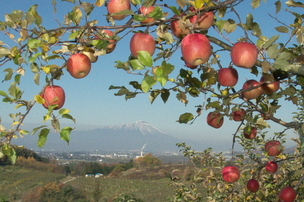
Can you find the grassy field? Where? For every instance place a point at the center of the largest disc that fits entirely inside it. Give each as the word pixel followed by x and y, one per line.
pixel 107 188
pixel 15 181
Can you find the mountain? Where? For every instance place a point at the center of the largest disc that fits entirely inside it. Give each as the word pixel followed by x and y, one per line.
pixel 121 137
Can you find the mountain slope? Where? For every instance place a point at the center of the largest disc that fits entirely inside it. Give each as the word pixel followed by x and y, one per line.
pixel 122 137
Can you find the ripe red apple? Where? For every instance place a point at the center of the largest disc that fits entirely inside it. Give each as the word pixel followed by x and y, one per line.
pixel 253 185
pixel 255 92
pixel 204 22
pixel 244 54
pixel 115 6
pixel 191 66
pixel 271 167
pixel 215 119
pixel 195 49
pixel 238 114
pixel 53 95
pixel 178 28
pixel 145 11
pixel 230 174
pixel 79 65
pixel 287 194
pixel 142 42
pixel 250 132
pixel 273 148
pixel 227 76
pixel 271 87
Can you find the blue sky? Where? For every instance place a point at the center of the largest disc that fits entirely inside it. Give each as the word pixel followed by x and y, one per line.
pixel 90 101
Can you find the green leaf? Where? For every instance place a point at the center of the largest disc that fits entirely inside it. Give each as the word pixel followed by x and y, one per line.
pixel 71 1
pixel 43 137
pixel 148 3
pixel 9 74
pixel 136 64
pixel 185 118
pixel 37 78
pixel 165 95
pixel 147 83
pixel 65 134
pixel 64 111
pixel 10 153
pixel 34 57
pixel 278 6
pixel 270 41
pixel 23 132
pixel 38 128
pixel 74 35
pixel 123 12
pixel 282 29
pixel 2 93
pixel 87 7
pixel 153 95
pixel 145 58
pixel 68 116
pixel 255 3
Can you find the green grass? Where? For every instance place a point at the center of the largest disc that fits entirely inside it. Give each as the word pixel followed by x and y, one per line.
pixel 15 180
pixel 108 188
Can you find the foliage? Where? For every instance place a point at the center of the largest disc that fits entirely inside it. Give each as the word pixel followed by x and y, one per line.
pixel 147 160
pixel 32 45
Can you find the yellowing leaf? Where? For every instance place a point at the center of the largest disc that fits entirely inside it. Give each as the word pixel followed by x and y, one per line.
pixel 99 3
pixel 39 99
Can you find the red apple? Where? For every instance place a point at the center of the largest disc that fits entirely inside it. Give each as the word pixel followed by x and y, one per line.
pixel 287 194
pixel 204 22
pixel 145 11
pixel 250 132
pixel 227 76
pixel 230 174
pixel 142 42
pixel 244 54
pixel 270 87
pixel 238 114
pixel 79 65
pixel 115 6
pixel 253 185
pixel 215 119
pixel 253 93
pixel 191 66
pixel 271 167
pixel 195 49
pixel 53 95
pixel 178 28
pixel 273 148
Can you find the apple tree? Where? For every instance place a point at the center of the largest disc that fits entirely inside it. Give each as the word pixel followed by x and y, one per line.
pixel 196 49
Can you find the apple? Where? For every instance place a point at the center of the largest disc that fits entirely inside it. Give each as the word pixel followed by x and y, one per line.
pixel 79 65
pixel 230 174
pixel 253 185
pixel 145 11
pixel 115 6
pixel 238 114
pixel 215 119
pixel 244 54
pixel 53 95
pixel 195 49
pixel 204 22
pixel 227 76
pixel 270 87
pixel 287 194
pixel 191 66
pixel 91 55
pixel 273 148
pixel 250 132
pixel 142 42
pixel 108 35
pixel 271 167
pixel 178 27
pixel 253 93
